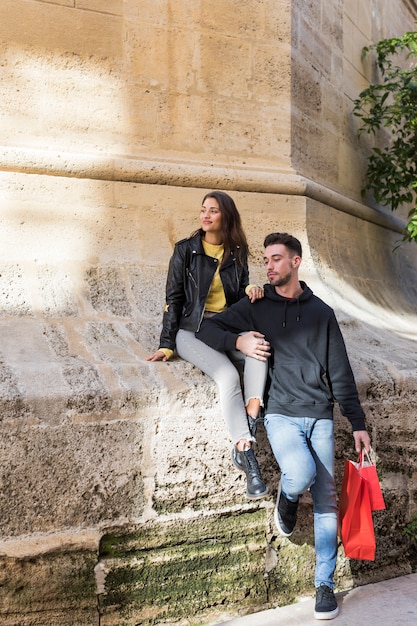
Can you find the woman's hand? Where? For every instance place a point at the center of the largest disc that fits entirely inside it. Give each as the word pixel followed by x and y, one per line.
pixel 256 293
pixel 157 356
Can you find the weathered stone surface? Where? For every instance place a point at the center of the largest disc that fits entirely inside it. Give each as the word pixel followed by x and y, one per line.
pixel 217 562
pixel 53 588
pixel 116 478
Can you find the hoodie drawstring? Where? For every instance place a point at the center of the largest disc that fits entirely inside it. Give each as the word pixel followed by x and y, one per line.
pixel 298 315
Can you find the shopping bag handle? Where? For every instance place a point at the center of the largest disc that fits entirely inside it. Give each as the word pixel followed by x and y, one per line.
pixel 366 458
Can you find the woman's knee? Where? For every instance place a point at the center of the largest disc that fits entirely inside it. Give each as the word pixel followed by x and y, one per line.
pixel 227 377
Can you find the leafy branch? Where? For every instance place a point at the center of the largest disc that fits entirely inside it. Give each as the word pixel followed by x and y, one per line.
pixel 388 110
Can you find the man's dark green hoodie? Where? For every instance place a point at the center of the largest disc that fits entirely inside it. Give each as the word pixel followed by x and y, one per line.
pixel 309 366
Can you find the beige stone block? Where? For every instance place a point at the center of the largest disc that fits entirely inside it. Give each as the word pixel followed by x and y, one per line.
pixel 351 9
pixel 183 122
pixel 352 167
pixel 65 30
pixel 332 104
pixel 56 587
pixel 162 58
pixel 164 13
pixel 63 3
pixel 239 18
pixel 313 150
pixel 278 19
pixel 39 110
pixel 261 132
pixel 113 7
pixel 315 50
pixel 224 66
pixel 92 470
pixel 355 81
pixel 306 90
pixel 271 73
pixel 354 41
pixel 332 23
pixel 141 110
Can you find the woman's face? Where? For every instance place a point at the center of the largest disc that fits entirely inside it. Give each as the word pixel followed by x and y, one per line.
pixel 210 216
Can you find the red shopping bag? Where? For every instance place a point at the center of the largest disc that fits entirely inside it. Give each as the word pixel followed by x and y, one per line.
pixel 356 528
pixel 367 470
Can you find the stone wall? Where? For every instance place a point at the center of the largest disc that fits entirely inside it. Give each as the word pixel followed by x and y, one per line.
pixel 119 502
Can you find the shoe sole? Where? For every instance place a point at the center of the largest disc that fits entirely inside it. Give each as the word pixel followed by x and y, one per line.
pixel 276 516
pixel 327 615
pixel 259 496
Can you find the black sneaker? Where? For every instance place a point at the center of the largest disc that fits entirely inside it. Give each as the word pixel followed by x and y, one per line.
pixel 285 514
pixel 326 604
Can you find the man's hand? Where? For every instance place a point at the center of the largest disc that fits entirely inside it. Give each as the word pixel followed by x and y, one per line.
pixel 362 437
pixel 256 293
pixel 254 344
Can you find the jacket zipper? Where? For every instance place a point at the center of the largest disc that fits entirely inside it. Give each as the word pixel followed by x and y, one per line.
pixel 192 277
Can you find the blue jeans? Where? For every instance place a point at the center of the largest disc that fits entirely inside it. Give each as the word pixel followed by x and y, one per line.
pixel 304 450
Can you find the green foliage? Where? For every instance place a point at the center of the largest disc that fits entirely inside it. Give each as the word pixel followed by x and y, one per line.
pixel 388 110
pixel 410 529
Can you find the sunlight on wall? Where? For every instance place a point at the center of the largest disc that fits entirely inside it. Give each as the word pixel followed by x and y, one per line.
pixel 55 104
pixel 62 101
pixel 382 305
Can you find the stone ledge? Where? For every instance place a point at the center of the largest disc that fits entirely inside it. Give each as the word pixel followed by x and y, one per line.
pixel 188 174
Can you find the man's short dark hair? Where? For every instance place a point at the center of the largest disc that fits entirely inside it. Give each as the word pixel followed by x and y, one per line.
pixel 286 240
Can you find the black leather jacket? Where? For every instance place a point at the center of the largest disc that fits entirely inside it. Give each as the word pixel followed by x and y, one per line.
pixel 189 279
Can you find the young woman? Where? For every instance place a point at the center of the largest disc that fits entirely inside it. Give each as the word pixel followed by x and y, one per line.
pixel 207 273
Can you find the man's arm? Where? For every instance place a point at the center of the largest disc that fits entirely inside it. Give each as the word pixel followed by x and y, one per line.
pixel 344 387
pixel 223 331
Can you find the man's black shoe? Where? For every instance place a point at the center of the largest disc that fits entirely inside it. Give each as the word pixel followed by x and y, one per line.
pixel 285 514
pixel 326 604
pixel 246 462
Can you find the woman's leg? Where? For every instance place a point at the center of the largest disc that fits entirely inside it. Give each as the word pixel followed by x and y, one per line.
pixel 220 368
pixel 254 380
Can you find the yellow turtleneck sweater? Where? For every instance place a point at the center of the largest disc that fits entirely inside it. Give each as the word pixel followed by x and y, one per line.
pixel 216 299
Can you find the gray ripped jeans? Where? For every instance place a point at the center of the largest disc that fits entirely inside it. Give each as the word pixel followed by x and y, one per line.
pixel 224 370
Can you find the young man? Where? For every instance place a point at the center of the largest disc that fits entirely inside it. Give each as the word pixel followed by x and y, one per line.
pixel 309 370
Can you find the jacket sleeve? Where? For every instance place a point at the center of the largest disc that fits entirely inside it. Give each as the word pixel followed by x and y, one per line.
pixel 244 279
pixel 341 378
pixel 174 299
pixel 221 331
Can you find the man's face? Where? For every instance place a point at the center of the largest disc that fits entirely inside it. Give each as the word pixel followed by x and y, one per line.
pixel 280 264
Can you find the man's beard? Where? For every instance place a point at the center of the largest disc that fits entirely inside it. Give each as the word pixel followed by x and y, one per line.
pixel 280 282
